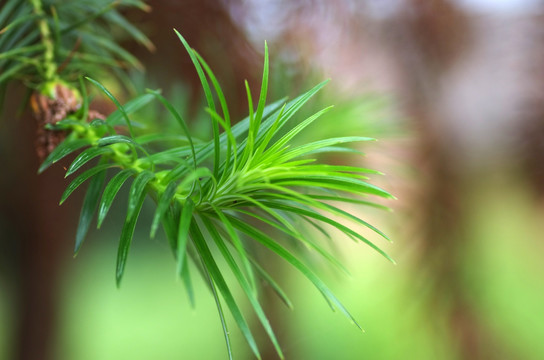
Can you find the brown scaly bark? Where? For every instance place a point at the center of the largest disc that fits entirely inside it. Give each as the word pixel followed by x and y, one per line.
pixel 48 111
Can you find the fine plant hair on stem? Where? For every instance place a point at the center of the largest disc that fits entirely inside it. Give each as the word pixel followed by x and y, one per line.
pixel 216 200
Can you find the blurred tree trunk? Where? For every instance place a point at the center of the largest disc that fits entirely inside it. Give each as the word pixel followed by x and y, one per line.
pixel 532 118
pixel 431 37
pixel 35 231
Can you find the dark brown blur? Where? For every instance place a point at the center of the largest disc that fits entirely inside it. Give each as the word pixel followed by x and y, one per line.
pixel 35 236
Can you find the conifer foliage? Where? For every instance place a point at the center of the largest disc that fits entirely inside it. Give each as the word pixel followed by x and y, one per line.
pixel 249 186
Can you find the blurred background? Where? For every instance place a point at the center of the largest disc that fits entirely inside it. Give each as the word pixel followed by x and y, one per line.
pixel 453 90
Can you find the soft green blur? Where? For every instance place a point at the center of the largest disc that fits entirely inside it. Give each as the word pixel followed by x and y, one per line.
pixel 150 318
pixel 504 267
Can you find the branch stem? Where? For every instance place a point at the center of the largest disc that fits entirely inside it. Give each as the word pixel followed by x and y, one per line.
pixel 49 65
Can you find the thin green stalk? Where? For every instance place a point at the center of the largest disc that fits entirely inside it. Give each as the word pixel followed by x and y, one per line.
pixel 49 65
